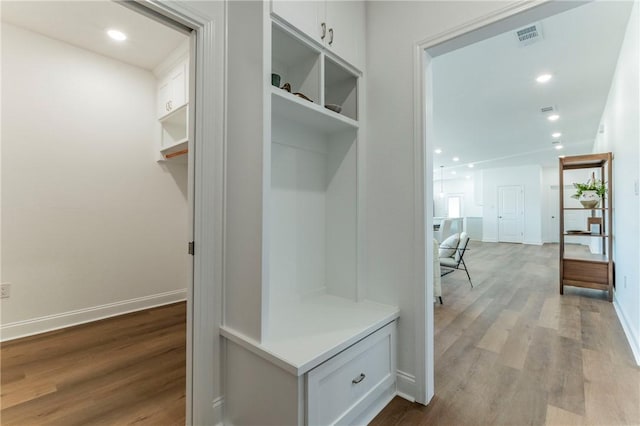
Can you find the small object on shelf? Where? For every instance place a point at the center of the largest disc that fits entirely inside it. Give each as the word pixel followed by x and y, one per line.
pixel 334 107
pixel 287 87
pixel 589 202
pixel 595 225
pixel 577 232
pixel 589 194
pixel 301 95
pixel 275 80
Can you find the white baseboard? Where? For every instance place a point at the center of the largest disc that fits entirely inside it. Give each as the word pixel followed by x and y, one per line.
pixel 218 411
pixel 532 243
pixel 406 386
pixel 634 342
pixel 15 330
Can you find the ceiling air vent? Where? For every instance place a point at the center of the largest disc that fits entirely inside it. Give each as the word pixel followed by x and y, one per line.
pixel 529 35
pixel 547 109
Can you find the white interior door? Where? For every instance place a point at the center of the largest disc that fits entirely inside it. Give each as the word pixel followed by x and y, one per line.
pixel 553 215
pixel 510 213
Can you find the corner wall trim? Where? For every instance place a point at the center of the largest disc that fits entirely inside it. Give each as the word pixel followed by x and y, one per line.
pixel 628 331
pixel 406 386
pixel 18 329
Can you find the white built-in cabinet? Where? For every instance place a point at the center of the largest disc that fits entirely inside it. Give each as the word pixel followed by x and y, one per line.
pixel 303 341
pixel 339 26
pixel 172 89
pixel 172 103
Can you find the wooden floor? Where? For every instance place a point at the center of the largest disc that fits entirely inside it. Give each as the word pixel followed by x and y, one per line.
pixel 512 351
pixel 125 370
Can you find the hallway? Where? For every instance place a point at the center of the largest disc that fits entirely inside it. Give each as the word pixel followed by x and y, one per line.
pixel 513 351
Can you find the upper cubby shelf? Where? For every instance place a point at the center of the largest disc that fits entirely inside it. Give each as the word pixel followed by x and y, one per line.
pixel 340 88
pixel 296 63
pixel 330 87
pixel 290 108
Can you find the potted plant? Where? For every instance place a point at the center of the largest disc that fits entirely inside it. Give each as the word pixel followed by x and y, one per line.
pixel 589 194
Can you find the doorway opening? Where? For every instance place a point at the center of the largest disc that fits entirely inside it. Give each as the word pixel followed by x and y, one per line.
pixel 505 169
pixel 510 213
pixel 98 177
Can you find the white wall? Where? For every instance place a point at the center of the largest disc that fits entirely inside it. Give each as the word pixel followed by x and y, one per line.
pixel 390 150
pixel 464 187
pixel 89 217
pixel 622 137
pixel 530 177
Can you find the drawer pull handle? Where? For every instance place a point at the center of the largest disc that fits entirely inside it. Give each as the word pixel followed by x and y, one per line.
pixel 358 379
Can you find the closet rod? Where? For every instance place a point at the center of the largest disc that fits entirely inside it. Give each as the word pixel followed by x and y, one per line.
pixel 177 153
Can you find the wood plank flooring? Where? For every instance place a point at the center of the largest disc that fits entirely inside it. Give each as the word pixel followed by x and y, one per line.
pixel 512 351
pixel 124 370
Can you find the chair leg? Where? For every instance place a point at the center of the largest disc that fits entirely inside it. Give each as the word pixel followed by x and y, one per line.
pixel 440 297
pixel 467 271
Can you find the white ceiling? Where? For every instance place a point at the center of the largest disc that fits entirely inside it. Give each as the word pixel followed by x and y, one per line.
pixel 84 24
pixel 486 99
pixel 487 102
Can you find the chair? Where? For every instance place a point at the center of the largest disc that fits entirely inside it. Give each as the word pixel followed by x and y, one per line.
pixel 437 287
pixel 453 259
pixel 444 230
pixel 447 227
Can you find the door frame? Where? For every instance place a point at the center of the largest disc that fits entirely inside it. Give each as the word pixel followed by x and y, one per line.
pixel 205 199
pixel 507 18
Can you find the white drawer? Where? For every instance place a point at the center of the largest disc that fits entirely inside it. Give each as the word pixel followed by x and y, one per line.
pixel 339 389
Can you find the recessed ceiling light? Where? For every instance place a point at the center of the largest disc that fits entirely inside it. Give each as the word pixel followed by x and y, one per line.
pixel 559 147
pixel 556 135
pixel 543 78
pixel 437 151
pixel 470 165
pixel 553 117
pixel 456 159
pixel 468 177
pixel 453 172
pixel 117 35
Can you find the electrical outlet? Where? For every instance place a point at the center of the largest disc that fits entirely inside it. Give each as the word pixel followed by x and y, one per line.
pixel 5 290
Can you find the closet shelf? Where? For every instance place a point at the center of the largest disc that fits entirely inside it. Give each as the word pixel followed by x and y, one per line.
pixel 288 107
pixel 305 334
pixel 175 149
